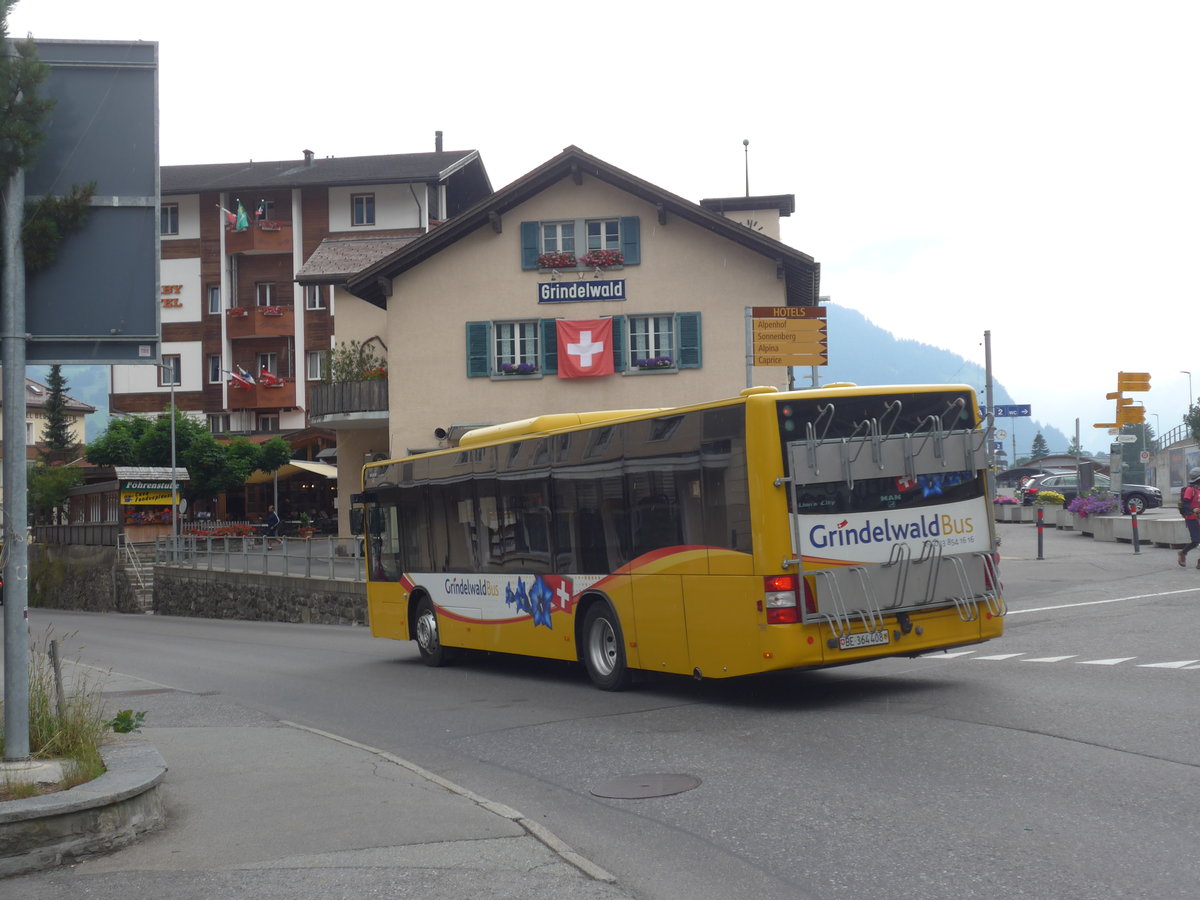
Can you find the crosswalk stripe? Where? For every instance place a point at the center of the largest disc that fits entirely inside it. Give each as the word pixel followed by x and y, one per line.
pixel 937 654
pixel 1000 656
pixel 1183 664
pixel 1104 662
pixel 1051 658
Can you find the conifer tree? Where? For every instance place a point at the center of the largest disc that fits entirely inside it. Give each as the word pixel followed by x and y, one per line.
pixel 57 433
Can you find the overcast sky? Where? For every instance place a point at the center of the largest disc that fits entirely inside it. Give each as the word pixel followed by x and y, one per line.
pixel 1027 168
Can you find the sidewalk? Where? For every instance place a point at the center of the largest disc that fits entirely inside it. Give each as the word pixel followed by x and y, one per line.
pixel 258 808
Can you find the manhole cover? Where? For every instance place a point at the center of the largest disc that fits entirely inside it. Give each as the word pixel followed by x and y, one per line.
pixel 639 787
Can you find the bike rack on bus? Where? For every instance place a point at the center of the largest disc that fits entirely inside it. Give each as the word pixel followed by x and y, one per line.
pixel 839 619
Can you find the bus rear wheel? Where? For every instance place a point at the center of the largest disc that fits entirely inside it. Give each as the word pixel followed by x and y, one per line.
pixel 604 649
pixel 426 631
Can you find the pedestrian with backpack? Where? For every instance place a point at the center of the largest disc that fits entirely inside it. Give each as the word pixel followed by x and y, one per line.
pixel 1189 507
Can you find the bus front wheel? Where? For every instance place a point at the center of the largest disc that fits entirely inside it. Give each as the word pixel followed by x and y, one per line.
pixel 604 649
pixel 426 632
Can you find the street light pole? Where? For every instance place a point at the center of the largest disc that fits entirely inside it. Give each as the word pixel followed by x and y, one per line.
pixel 1191 396
pixel 173 373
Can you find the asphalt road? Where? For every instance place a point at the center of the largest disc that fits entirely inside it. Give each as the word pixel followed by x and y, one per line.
pixel 1060 761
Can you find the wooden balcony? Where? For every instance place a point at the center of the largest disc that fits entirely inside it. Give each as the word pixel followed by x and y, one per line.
pixel 349 404
pixel 260 321
pixel 279 396
pixel 260 237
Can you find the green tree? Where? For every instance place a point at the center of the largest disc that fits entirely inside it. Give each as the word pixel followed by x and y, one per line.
pixel 1075 449
pixel 352 361
pixel 1040 448
pixel 48 486
pixel 57 433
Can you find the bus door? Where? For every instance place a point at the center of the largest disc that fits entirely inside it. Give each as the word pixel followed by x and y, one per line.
pixel 883 524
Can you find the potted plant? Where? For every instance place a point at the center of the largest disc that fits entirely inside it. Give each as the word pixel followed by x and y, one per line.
pixel 237 312
pixel 1051 503
pixel 306 526
pixel 602 259
pixel 272 310
pixel 518 369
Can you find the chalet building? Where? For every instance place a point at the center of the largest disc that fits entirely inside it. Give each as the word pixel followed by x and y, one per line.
pixel 35 418
pixel 234 236
pixel 579 286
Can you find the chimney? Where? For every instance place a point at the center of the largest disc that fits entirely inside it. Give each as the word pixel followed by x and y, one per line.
pixel 437 141
pixel 308 157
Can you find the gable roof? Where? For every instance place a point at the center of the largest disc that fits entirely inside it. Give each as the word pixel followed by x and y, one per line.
pixel 801 272
pixel 388 169
pixel 339 257
pixel 36 394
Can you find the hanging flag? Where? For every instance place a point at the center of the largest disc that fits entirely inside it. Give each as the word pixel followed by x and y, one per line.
pixel 267 379
pixel 239 381
pixel 585 348
pixel 261 212
pixel 230 218
pixel 243 221
pixel 244 377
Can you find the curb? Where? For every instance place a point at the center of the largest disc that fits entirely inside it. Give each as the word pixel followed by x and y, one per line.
pixel 101 815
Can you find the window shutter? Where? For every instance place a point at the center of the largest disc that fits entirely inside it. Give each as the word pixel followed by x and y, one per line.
pixel 631 240
pixel 531 244
pixel 618 343
pixel 549 346
pixel 687 325
pixel 479 339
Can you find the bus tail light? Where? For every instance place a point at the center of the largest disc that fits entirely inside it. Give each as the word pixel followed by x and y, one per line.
pixel 780 599
pixel 987 573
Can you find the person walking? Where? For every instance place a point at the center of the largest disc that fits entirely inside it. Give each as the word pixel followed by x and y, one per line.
pixel 272 529
pixel 1189 505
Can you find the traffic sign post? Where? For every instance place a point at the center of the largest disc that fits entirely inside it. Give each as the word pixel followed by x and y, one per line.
pixel 786 336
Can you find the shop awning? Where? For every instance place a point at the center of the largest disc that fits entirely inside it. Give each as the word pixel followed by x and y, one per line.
pixel 294 467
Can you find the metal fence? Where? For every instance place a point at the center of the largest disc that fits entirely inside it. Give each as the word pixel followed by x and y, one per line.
pixel 337 559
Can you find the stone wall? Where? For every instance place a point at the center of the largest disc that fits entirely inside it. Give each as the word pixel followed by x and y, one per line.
pixel 72 576
pixel 264 598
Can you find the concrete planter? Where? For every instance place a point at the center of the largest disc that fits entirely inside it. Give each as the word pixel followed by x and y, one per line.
pixel 1104 528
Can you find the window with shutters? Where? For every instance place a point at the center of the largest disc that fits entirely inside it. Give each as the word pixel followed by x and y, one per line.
pixel 664 342
pixel 565 244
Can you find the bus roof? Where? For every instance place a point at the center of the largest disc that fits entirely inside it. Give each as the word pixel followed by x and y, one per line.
pixel 541 424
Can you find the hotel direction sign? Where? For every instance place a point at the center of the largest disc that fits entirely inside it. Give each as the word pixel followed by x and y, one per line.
pixel 790 335
pixel 581 291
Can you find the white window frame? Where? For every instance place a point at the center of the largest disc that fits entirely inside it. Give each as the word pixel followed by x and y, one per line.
pixel 603 234
pixel 270 420
pixel 268 361
pixel 174 362
pixel 650 336
pixel 314 296
pixel 214 299
pixel 214 371
pixel 264 293
pixel 516 342
pixel 168 220
pixel 314 364
pixel 362 210
pixel 558 237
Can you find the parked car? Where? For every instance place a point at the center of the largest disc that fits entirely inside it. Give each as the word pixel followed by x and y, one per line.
pixel 1134 497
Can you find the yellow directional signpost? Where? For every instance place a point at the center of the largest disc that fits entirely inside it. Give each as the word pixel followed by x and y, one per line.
pixel 1127 413
pixel 789 336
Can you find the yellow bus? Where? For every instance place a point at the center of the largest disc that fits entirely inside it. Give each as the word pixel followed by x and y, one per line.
pixel 772 530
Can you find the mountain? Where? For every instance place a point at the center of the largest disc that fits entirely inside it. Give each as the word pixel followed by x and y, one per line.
pixel 862 352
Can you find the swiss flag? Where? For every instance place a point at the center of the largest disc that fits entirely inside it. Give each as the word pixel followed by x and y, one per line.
pixel 585 348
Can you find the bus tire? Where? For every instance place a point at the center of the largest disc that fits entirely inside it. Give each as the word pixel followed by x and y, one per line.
pixel 427 636
pixel 604 649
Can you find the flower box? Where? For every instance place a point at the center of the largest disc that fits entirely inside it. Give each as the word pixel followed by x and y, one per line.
pixel 653 362
pixel 237 312
pixel 518 369
pixel 557 260
pixel 602 259
pixel 270 225
pixel 271 310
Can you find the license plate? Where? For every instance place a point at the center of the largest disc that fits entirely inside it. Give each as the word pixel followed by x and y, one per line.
pixel 864 639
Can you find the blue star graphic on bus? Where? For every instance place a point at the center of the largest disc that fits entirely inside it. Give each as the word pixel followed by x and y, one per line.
pixel 542 598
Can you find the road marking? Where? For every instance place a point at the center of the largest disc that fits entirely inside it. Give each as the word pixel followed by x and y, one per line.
pixel 1017 612
pixel 1185 664
pixel 1051 658
pixel 1001 656
pixel 1105 662
pixel 937 654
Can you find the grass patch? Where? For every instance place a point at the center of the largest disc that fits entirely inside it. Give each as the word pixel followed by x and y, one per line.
pixel 73 733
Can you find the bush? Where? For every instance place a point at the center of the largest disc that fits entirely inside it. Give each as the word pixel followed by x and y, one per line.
pixel 1005 501
pixel 1050 498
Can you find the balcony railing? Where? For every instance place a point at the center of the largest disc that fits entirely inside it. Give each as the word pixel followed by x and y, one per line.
pixel 348 401
pixel 261 396
pixel 261 237
pixel 261 321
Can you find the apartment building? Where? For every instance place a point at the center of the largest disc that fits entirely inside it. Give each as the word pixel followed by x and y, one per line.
pixel 241 341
